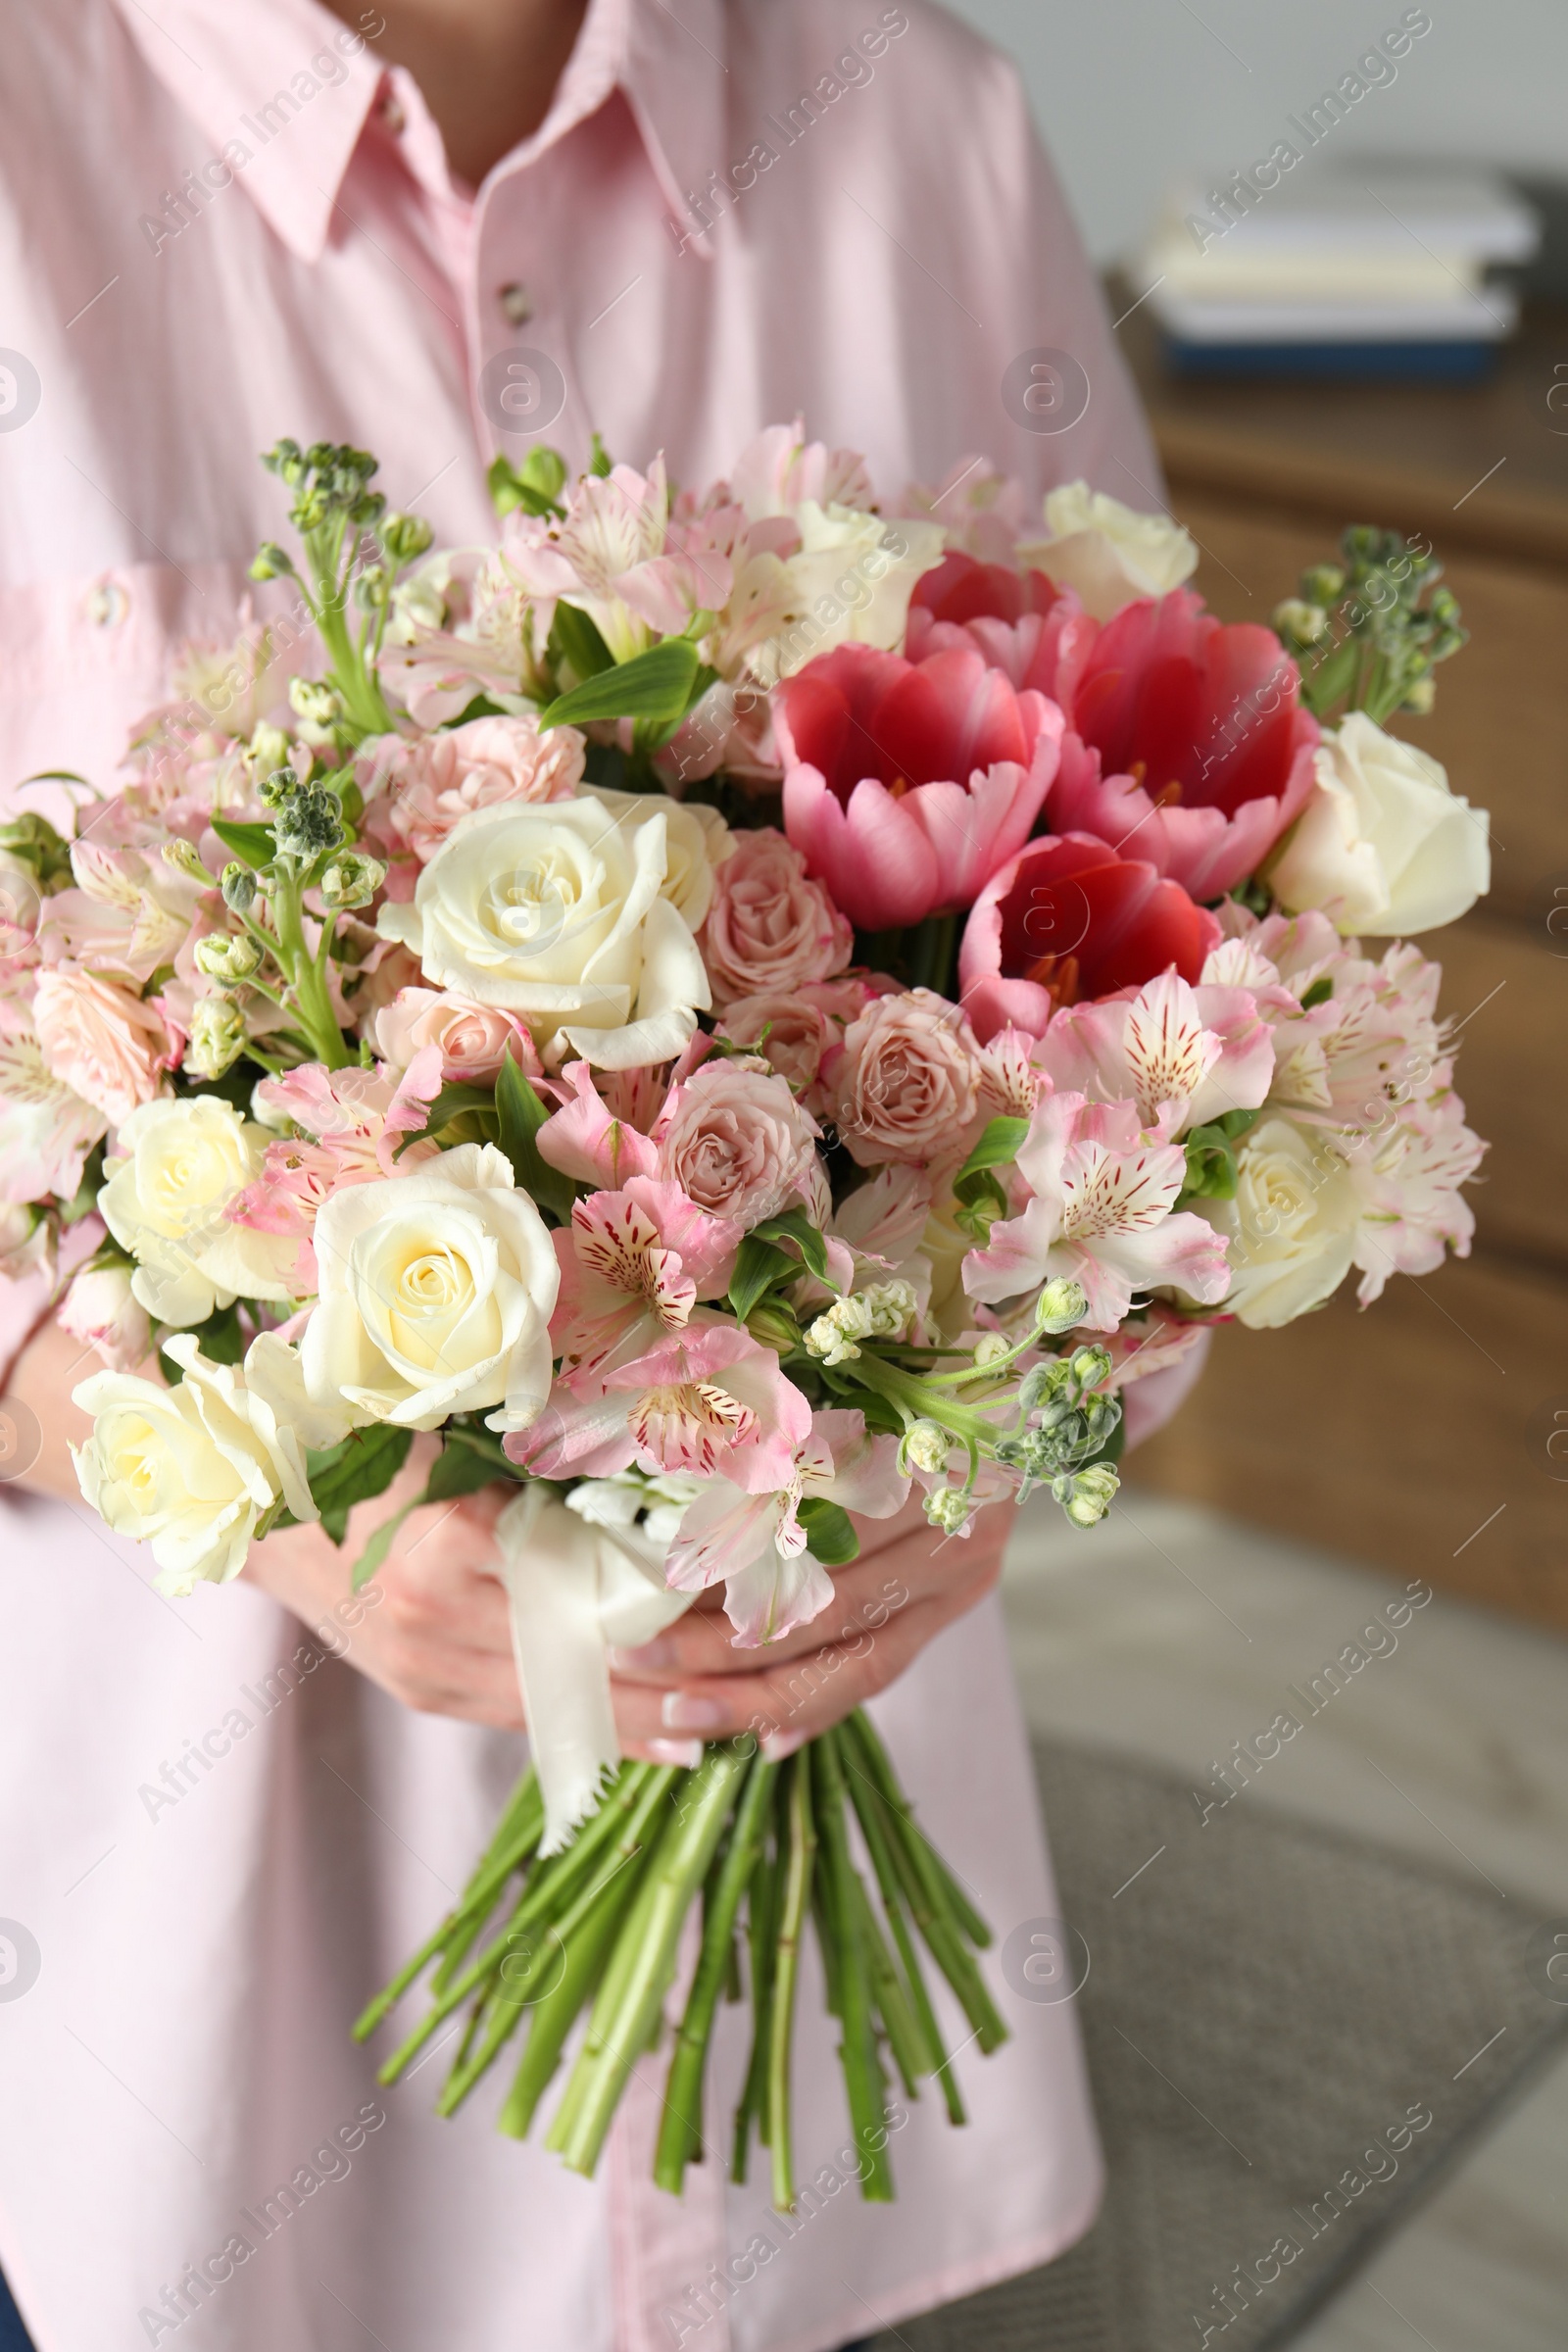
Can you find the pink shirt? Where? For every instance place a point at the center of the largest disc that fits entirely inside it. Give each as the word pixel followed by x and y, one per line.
pixel 223 220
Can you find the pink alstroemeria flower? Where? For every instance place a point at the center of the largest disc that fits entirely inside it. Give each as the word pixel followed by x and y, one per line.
pixel 704 1398
pixel 351 1122
pixel 585 1141
pixel 749 1537
pixel 633 1266
pixel 1100 1210
pixel 908 784
pixel 1181 1056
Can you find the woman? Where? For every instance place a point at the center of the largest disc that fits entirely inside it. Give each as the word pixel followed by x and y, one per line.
pixel 419 230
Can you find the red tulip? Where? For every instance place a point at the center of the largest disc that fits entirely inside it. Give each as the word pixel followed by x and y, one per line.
pixel 906 784
pixel 1068 920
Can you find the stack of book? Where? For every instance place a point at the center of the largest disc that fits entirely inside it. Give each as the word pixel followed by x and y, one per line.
pixel 1366 270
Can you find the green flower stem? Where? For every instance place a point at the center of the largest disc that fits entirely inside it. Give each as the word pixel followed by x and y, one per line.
pixel 305 980
pixel 760 1909
pixel 968 1918
pixel 554 2015
pixel 474 1976
pixel 906 2038
pixel 797 1874
pixel 870 1814
pixel 681 2128
pixel 617 2036
pixel 927 1896
pixel 858 2048
pixel 516 1834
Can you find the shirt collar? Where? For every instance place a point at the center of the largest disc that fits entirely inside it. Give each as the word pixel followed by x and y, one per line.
pixel 293 86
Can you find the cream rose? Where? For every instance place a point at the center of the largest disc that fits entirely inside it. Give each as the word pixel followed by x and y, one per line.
pixel 103 1311
pixel 1110 553
pixel 189 1470
pixel 697 840
pixel 1382 845
pixel 475 1039
pixel 102 1041
pixel 770 927
pixel 848 582
pixel 436 1290
pixel 179 1165
pixel 1290 1232
pixel 559 913
pixel 907 1085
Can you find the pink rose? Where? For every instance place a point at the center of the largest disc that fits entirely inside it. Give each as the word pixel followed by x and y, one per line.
pixel 473 1038
pixel 101 1312
pixel 737 1143
pixel 417 792
pixel 907 1083
pixel 770 926
pixel 797 1029
pixel 102 1042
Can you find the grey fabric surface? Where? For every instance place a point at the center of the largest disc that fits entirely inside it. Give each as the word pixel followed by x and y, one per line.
pixel 1303 1990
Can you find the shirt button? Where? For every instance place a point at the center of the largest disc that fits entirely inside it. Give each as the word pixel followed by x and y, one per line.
pixel 516 304
pixel 107 605
pixel 391 113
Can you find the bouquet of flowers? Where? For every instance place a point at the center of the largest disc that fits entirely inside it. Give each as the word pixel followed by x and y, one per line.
pixel 723 1009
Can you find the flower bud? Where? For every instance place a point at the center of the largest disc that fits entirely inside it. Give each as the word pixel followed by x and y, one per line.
pixel 926 1444
pixel 991 1348
pixel 1304 622
pixel 182 856
pixel 1322 584
pixel 352 880
pixel 772 1322
pixel 1420 695
pixel 833 1335
pixel 1061 1304
pixel 268 750
pixel 1089 1366
pixel 1086 1495
pixel 949 1508
pixel 224 957
pixel 318 705
pixel 270 562
pixel 239 887
pixel 405 536
pixel 216 1037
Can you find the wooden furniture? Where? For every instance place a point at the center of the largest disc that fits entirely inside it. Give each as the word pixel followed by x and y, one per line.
pixel 1430 1433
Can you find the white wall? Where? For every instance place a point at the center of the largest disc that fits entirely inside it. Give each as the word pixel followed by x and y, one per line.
pixel 1133 94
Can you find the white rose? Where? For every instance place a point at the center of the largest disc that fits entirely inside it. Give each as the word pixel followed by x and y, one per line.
pixel 436 1290
pixel 558 911
pixel 180 1163
pixel 103 1311
pixel 1291 1230
pixel 695 840
pixel 189 1470
pixel 1110 553
pixel 850 582
pixel 1382 845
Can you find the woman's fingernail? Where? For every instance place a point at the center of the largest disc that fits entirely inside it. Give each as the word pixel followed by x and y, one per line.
pixel 779 1744
pixel 685 1711
pixel 646 1653
pixel 685 1753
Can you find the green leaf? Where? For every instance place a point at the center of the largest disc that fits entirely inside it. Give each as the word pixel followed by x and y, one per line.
pixel 830 1534
pixel 455 1100
pixel 1319 993
pixel 253 844
pixel 574 639
pixel 462 1466
pixel 796 1226
pixel 535 485
pixel 654 685
pixel 1211 1157
pixel 601 462
pixel 366 1463
pixel 220 1338
pixel 758 1265
pixel 381 1543
pixel 998 1148
pixel 521 1115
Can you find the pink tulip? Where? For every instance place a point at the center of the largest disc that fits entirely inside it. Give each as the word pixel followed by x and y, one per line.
pixel 906 784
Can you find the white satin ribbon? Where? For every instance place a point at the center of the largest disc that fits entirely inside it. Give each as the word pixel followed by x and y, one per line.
pixel 575 1590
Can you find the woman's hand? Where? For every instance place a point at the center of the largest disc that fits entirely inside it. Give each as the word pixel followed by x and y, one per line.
pixel 434 1628
pixel 907 1584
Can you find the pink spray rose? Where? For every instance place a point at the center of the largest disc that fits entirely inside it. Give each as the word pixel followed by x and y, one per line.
pixel 738 1144
pixel 474 1040
pixel 907 1081
pixel 417 792
pixel 101 1040
pixel 798 1029
pixel 769 927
